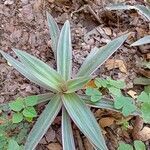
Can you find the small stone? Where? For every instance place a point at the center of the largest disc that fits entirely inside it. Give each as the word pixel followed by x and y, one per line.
pixel 25 2
pixel 8 2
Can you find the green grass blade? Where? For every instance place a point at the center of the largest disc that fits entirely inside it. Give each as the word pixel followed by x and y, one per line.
pixel 43 123
pixel 64 52
pixel 25 71
pixel 67 135
pixel 142 41
pixel 77 83
pixel 98 57
pixel 84 119
pixel 41 70
pixel 54 32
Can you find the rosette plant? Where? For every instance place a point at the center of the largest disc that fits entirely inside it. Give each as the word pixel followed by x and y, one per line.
pixel 62 87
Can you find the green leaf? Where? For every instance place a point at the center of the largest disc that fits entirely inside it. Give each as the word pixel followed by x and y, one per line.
pixel 29 112
pixel 100 82
pixel 24 70
pixel 54 32
pixel 44 97
pixel 77 83
pixel 99 56
pixel 95 94
pixel 116 83
pixel 145 109
pixel 17 117
pixel 142 9
pixel 115 91
pixel 124 103
pixel 31 100
pixel 147 89
pixel 29 119
pixel 64 52
pixel 139 145
pixel 144 97
pixel 67 135
pixel 13 145
pixel 123 146
pixel 40 69
pixel 17 105
pixel 84 119
pixel 146 64
pixel 43 122
pixel 141 81
pixel 142 41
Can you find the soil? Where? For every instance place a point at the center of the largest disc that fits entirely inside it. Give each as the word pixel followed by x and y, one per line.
pixel 23 26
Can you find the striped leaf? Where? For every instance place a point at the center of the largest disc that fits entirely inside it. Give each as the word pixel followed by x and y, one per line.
pixel 40 69
pixel 43 123
pixel 98 57
pixel 77 83
pixel 84 119
pixel 67 135
pixel 64 52
pixel 145 11
pixel 54 32
pixel 26 71
pixel 142 41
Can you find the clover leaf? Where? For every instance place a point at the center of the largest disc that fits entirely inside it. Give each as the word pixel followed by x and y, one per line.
pixel 124 103
pixel 17 105
pixel 95 94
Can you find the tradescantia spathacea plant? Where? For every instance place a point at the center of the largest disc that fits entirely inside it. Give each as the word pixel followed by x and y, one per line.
pixel 62 87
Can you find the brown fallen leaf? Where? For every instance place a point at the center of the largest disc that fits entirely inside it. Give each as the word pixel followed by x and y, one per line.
pixel 90 84
pixel 145 73
pixel 54 146
pixel 143 135
pixel 106 122
pixel 116 63
pixel 133 94
pixel 107 31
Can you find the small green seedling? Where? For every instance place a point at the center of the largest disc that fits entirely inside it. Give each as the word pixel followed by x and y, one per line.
pixel 138 145
pixel 12 135
pixel 95 94
pixel 114 86
pixel 125 104
pixel 23 109
pixel 144 99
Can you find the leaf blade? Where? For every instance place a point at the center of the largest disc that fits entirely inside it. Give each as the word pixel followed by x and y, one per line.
pixel 64 52
pixel 77 83
pixel 67 131
pixel 40 69
pixel 101 55
pixel 84 119
pixel 142 41
pixel 43 122
pixel 25 71
pixel 54 32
